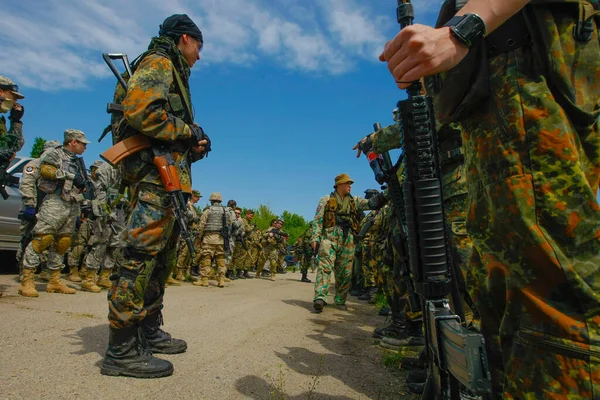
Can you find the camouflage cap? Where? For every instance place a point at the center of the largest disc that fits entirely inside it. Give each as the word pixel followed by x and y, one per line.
pixel 215 196
pixel 7 84
pixel 97 164
pixel 196 193
pixel 75 134
pixel 51 144
pixel 370 193
pixel 342 178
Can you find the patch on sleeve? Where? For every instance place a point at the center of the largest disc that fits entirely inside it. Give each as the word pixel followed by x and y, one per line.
pixel 29 170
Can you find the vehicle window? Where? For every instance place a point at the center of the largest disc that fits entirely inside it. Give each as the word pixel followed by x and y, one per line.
pixel 14 161
pixel 18 169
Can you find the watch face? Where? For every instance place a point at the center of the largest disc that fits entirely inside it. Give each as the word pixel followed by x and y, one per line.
pixel 470 25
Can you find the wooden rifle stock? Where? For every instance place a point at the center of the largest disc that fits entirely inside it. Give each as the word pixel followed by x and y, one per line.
pixel 167 172
pixel 126 147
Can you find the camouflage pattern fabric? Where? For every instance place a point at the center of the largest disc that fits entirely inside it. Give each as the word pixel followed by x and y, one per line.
pixel 212 251
pixel 148 259
pixel 13 137
pixel 270 253
pixel 532 156
pixel 336 252
pixel 79 243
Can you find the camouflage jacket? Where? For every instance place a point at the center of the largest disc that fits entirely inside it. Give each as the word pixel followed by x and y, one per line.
pixel 13 137
pixel 154 107
pixel 57 172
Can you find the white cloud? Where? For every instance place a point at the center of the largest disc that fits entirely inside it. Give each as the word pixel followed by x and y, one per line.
pixel 56 44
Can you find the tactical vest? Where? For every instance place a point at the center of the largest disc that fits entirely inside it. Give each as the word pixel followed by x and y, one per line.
pixel 136 166
pixel 333 217
pixel 217 215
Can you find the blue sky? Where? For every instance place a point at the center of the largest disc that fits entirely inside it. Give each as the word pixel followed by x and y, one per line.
pixel 284 88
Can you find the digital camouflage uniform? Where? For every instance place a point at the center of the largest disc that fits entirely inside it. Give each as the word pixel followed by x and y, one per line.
pixel 154 106
pixel 270 253
pixel 532 163
pixel 336 249
pixel 79 243
pixel 31 197
pixel 56 217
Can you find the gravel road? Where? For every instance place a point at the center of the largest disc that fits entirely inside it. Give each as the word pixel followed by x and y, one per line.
pixel 255 339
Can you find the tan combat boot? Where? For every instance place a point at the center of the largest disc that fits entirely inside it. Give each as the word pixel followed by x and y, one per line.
pixel 103 281
pixel 221 280
pixel 201 282
pixel 172 282
pixel 56 285
pixel 89 282
pixel 272 276
pixel 74 275
pixel 28 286
pixel 180 275
pixel 44 275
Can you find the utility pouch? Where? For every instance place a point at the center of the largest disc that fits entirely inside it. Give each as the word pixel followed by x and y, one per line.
pixel 458 92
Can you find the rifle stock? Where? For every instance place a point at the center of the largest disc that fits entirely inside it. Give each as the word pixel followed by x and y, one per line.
pixel 126 147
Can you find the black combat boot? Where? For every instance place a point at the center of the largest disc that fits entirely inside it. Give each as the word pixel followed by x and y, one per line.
pixel 247 275
pixel 127 357
pixel 410 336
pixel 305 278
pixel 419 362
pixel 318 305
pixel 368 294
pixel 416 380
pixel 396 327
pixel 384 311
pixel 240 275
pixel 158 341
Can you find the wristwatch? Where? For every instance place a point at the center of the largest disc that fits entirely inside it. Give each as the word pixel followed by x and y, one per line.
pixel 468 29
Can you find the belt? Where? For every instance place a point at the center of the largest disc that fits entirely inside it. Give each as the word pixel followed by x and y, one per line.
pixel 511 35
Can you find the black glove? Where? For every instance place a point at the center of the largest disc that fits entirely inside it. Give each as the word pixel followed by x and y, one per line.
pixel 6 155
pixel 16 114
pixel 199 134
pixel 79 181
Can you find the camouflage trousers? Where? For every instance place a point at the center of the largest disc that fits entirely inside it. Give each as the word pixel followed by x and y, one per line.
pixel 271 255
pixel 53 230
pixel 98 243
pixel 370 258
pixel 305 262
pixel 148 258
pixel 533 163
pixel 335 254
pixel 184 258
pixel 241 258
pixel 253 255
pixel 209 253
pixel 79 244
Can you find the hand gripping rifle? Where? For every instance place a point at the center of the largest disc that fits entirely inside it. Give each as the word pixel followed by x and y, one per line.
pixel 456 356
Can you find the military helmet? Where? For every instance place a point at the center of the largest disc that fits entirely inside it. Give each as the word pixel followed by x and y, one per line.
pixel 215 196
pixel 97 164
pixel 196 193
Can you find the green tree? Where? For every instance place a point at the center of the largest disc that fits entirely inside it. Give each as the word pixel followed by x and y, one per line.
pixel 38 147
pixel 295 225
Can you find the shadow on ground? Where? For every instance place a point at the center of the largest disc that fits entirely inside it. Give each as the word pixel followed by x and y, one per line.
pixel 91 339
pixel 259 389
pixel 351 355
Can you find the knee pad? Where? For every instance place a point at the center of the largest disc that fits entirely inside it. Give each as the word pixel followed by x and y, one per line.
pixel 62 244
pixel 41 242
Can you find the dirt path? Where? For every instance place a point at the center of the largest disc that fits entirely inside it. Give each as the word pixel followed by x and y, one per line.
pixel 256 339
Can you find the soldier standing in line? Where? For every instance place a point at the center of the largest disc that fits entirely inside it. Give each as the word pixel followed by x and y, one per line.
pixel 370 254
pixel 255 247
pixel 270 249
pixel 184 258
pixel 241 255
pixel 305 254
pixel 335 224
pixel 31 199
pixel 158 106
pixel 214 229
pixel 63 182
pixel 79 244
pixel 283 245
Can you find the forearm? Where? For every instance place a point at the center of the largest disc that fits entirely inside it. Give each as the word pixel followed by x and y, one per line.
pixel 388 138
pixel 16 129
pixel 493 12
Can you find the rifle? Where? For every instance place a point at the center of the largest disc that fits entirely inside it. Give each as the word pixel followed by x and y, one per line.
pixel 133 144
pixel 5 159
pixel 365 228
pixel 456 356
pixel 89 191
pixel 164 162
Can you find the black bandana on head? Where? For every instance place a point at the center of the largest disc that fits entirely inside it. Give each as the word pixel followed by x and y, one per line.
pixel 179 24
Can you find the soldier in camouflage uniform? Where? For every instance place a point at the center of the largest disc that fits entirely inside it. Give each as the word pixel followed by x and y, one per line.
pixel 184 258
pixel 334 226
pixel 215 225
pixel 11 140
pixel 282 249
pixel 79 245
pixel 270 249
pixel 254 246
pixel 63 183
pixel 31 198
pixel 305 253
pixel 158 105
pixel 239 252
pixel 98 260
pixel 369 253
pixel 532 159
pixel 241 256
